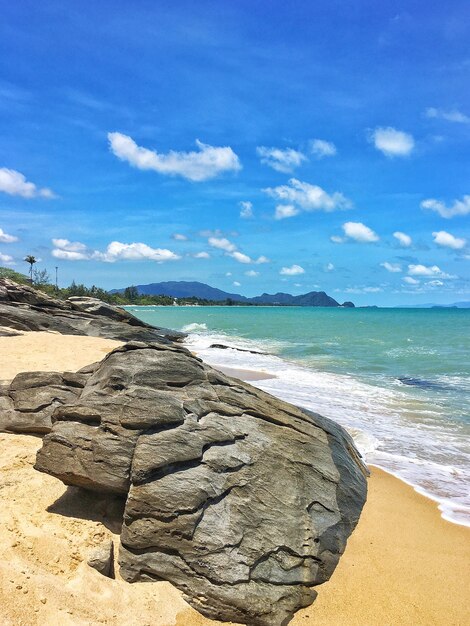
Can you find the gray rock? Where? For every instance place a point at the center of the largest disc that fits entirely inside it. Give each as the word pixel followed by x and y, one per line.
pixel 24 308
pixel 27 403
pixel 242 501
pixel 102 559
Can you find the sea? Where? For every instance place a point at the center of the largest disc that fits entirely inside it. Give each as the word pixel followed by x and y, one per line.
pixel 397 379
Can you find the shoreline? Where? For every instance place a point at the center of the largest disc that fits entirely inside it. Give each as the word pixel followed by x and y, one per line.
pixel 26 353
pixel 424 478
pixel 424 494
pixel 393 566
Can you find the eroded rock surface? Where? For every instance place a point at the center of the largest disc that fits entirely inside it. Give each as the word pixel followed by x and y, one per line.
pixel 24 308
pixel 242 501
pixel 27 403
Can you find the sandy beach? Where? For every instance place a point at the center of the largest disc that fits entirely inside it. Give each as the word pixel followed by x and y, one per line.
pixel 403 564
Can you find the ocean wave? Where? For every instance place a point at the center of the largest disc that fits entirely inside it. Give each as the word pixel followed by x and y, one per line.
pixel 403 433
pixel 194 327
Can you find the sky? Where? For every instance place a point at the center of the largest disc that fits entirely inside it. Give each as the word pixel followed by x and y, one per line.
pixel 257 146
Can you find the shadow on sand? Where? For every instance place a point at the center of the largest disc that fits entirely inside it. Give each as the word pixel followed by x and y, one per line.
pixel 82 504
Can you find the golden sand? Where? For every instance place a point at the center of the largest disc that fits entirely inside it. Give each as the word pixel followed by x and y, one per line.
pixel 404 565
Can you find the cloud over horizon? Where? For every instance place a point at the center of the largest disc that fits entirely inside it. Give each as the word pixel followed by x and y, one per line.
pixel 321 148
pixel 208 163
pixel 6 238
pixel 391 267
pixel 6 258
pixel 445 239
pixel 450 116
pixel 299 196
pixel 404 239
pixel 246 209
pixel 230 249
pixel 392 142
pixel 279 159
pixel 356 231
pixel 115 251
pixel 459 207
pixel 293 270
pixel 15 184
pixel 423 270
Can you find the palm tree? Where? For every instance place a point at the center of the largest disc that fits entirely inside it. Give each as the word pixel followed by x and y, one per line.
pixel 31 260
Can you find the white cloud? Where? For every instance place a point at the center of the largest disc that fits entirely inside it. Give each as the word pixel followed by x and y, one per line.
pixel 244 258
pixel 363 290
pixel 460 207
pixel 230 249
pixel 71 246
pixel 179 237
pixel 15 184
pixel 246 209
pixel 391 267
pixel 208 163
pixel 70 255
pixel 329 267
pixel 392 142
pixel 5 238
pixel 449 116
pixel 6 258
pixel 137 251
pixel 359 232
pixel 404 239
pixel 435 283
pixel 410 280
pixel 222 244
pixel 442 238
pixel 72 250
pixel 423 270
pixel 236 283
pixel 240 257
pixel 202 255
pixel 251 273
pixel 337 239
pixel 293 270
pixel 306 197
pixel 285 210
pixel 321 148
pixel 77 251
pixel 228 273
pixel 284 161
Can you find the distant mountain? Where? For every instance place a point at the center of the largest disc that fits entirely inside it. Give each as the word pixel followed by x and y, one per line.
pixel 433 305
pixel 185 289
pixel 313 298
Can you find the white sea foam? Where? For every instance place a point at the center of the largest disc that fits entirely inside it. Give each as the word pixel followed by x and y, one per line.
pixel 393 430
pixel 194 328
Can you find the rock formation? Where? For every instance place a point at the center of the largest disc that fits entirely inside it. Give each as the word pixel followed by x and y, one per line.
pixel 25 308
pixel 240 500
pixel 102 559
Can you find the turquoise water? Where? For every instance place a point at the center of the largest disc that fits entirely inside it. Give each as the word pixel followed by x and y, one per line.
pixel 398 379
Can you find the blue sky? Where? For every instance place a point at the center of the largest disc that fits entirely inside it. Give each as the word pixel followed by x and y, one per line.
pixel 256 146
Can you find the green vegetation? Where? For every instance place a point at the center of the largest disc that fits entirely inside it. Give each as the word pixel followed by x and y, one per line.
pixel 6 272
pixel 41 280
pixel 31 260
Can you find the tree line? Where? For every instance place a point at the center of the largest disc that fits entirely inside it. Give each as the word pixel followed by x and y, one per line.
pixel 41 280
